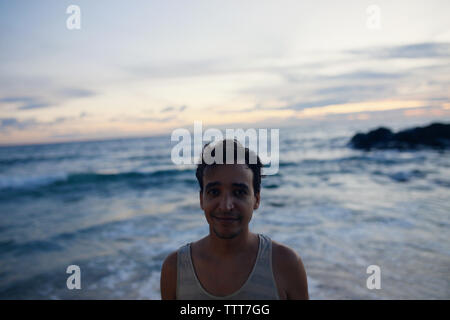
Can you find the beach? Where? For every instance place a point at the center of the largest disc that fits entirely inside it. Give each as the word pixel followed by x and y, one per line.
pixel 117 208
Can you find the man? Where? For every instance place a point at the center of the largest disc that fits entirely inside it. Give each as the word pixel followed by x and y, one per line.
pixel 232 262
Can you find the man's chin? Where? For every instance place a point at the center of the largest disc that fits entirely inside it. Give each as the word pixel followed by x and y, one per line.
pixel 227 235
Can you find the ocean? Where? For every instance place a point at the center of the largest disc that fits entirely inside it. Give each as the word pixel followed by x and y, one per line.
pixel 117 208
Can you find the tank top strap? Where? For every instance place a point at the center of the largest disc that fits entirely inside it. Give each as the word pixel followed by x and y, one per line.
pixel 265 254
pixel 261 282
pixel 187 282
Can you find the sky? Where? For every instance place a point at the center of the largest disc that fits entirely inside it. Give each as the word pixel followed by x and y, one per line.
pixel 141 68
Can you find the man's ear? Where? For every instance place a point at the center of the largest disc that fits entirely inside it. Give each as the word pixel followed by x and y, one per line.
pixel 257 200
pixel 201 199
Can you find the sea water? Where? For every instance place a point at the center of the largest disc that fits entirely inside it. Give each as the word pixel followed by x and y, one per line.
pixel 117 208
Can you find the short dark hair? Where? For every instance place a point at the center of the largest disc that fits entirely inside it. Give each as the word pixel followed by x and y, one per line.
pixel 255 167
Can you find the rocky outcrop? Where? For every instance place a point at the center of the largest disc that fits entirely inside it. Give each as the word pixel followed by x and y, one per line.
pixel 436 135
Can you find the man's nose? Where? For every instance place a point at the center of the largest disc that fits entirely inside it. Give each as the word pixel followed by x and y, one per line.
pixel 226 203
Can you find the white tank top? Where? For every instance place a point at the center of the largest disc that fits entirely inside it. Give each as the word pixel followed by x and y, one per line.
pixel 260 284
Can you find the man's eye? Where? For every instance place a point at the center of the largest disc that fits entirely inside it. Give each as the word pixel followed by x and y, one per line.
pixel 240 192
pixel 213 192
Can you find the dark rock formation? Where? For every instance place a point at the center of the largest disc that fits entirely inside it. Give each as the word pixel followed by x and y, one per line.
pixel 436 135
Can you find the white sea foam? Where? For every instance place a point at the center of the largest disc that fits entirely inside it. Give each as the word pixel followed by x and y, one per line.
pixel 30 180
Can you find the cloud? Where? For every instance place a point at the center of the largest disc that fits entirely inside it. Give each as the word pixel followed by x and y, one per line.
pixel 13 123
pixel 66 135
pixel 356 93
pixel 159 120
pixel 70 93
pixel 25 102
pixel 315 104
pixel 60 120
pixel 368 74
pixel 17 99
pixel 142 119
pixel 168 109
pixel 34 106
pixel 324 90
pixel 176 109
pixel 340 89
pixel 179 69
pixel 410 51
pixel 365 75
pixel 61 95
pixel 8 122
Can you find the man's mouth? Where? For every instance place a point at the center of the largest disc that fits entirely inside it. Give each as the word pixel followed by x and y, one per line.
pixel 225 218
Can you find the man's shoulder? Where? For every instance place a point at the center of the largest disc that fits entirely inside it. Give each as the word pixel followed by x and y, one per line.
pixel 169 265
pixel 171 259
pixel 289 271
pixel 168 280
pixel 284 254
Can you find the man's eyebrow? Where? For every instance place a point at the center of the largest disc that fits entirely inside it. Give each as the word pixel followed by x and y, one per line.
pixel 212 184
pixel 241 185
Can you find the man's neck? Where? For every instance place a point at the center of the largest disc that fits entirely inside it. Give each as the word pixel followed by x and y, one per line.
pixel 221 248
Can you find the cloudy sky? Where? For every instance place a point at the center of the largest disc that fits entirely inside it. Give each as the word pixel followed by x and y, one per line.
pixel 138 68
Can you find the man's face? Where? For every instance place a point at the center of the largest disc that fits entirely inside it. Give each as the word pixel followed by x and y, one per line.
pixel 228 199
